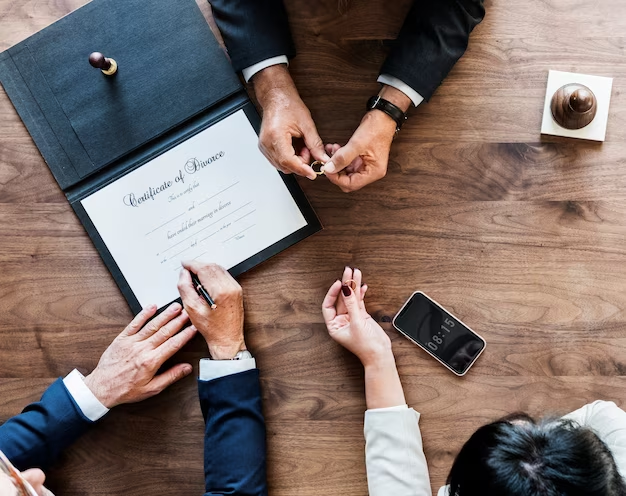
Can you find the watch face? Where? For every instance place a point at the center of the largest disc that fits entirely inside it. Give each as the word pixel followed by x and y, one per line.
pixel 243 355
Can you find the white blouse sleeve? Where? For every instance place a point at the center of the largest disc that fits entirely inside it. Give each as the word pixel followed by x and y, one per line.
pixel 394 455
pixel 609 422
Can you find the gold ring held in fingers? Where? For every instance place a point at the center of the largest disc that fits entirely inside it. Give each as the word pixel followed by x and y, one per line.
pixel 352 284
pixel 319 164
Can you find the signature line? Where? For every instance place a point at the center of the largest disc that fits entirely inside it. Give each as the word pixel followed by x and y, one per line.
pixel 204 201
pixel 249 227
pixel 205 227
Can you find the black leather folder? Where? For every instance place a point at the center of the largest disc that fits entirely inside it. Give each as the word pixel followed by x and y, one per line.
pixel 173 81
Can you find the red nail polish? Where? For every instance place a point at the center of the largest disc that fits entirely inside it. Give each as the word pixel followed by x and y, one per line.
pixel 346 290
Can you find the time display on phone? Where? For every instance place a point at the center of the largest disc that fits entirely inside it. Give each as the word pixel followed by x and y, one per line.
pixel 437 338
pixel 439 333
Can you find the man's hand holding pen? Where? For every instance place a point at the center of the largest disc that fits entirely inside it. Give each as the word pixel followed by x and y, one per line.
pixel 222 327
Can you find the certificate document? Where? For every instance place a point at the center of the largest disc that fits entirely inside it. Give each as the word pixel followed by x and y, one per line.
pixel 213 197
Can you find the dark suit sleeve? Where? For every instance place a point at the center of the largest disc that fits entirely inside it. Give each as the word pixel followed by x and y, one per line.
pixel 36 437
pixel 253 30
pixel 234 439
pixel 433 37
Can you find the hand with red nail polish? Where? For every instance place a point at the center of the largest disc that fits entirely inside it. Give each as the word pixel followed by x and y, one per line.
pixel 349 323
pixel 353 328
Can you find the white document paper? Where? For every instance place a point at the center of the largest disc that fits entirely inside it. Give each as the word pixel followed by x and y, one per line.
pixel 213 198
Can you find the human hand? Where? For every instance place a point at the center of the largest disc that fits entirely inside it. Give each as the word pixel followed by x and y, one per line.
pixel 348 322
pixel 127 370
pixel 285 119
pixel 36 478
pixel 14 482
pixel 363 160
pixel 223 327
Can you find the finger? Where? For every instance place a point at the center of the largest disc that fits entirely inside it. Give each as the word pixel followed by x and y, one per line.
pixel 187 291
pixel 328 148
pixel 194 266
pixel 357 277
pixel 36 478
pixel 355 181
pixel 313 142
pixel 169 329
pixel 287 159
pixel 160 320
pixel 173 345
pixel 305 155
pixel 295 165
pixel 356 166
pixel 346 276
pixel 342 158
pixel 328 305
pixel 169 377
pixel 217 280
pixel 139 321
pixel 352 303
pixel 211 275
pixel 363 290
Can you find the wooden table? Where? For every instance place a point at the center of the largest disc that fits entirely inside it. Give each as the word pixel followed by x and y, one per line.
pixel 522 236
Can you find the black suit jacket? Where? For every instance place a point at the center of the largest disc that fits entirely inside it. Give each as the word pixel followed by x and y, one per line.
pixel 434 36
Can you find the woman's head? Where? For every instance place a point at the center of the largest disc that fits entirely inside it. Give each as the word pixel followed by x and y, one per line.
pixel 518 456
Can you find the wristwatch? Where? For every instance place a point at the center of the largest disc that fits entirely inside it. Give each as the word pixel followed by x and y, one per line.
pixel 242 355
pixel 393 111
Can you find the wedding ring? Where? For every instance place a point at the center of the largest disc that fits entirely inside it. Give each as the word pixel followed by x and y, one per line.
pixel 352 284
pixel 320 164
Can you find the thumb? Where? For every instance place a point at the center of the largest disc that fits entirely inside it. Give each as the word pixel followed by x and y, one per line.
pixel 352 304
pixel 341 159
pixel 170 376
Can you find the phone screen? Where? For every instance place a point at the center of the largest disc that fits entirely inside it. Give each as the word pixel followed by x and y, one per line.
pixel 439 332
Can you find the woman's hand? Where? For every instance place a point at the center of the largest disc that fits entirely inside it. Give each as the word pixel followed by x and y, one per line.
pixel 353 328
pixel 349 323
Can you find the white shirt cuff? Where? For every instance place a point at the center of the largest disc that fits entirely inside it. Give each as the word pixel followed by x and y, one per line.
pixel 84 398
pixel 415 97
pixel 214 369
pixel 248 72
pixel 389 409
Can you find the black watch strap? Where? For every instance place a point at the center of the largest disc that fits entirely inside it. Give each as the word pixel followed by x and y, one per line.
pixel 393 111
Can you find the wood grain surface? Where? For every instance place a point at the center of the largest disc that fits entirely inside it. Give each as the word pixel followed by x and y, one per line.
pixel 522 236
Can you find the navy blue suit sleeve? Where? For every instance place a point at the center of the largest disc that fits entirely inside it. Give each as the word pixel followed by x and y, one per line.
pixel 234 439
pixel 253 30
pixel 433 38
pixel 36 437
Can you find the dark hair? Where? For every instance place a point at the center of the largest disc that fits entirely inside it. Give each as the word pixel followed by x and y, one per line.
pixel 517 456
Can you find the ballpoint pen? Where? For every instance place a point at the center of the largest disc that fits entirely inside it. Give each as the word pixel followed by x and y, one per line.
pixel 202 292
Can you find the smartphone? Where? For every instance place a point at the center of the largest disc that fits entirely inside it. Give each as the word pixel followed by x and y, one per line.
pixel 431 327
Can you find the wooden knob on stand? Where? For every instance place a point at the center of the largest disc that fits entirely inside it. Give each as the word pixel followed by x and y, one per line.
pixel 106 65
pixel 573 106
